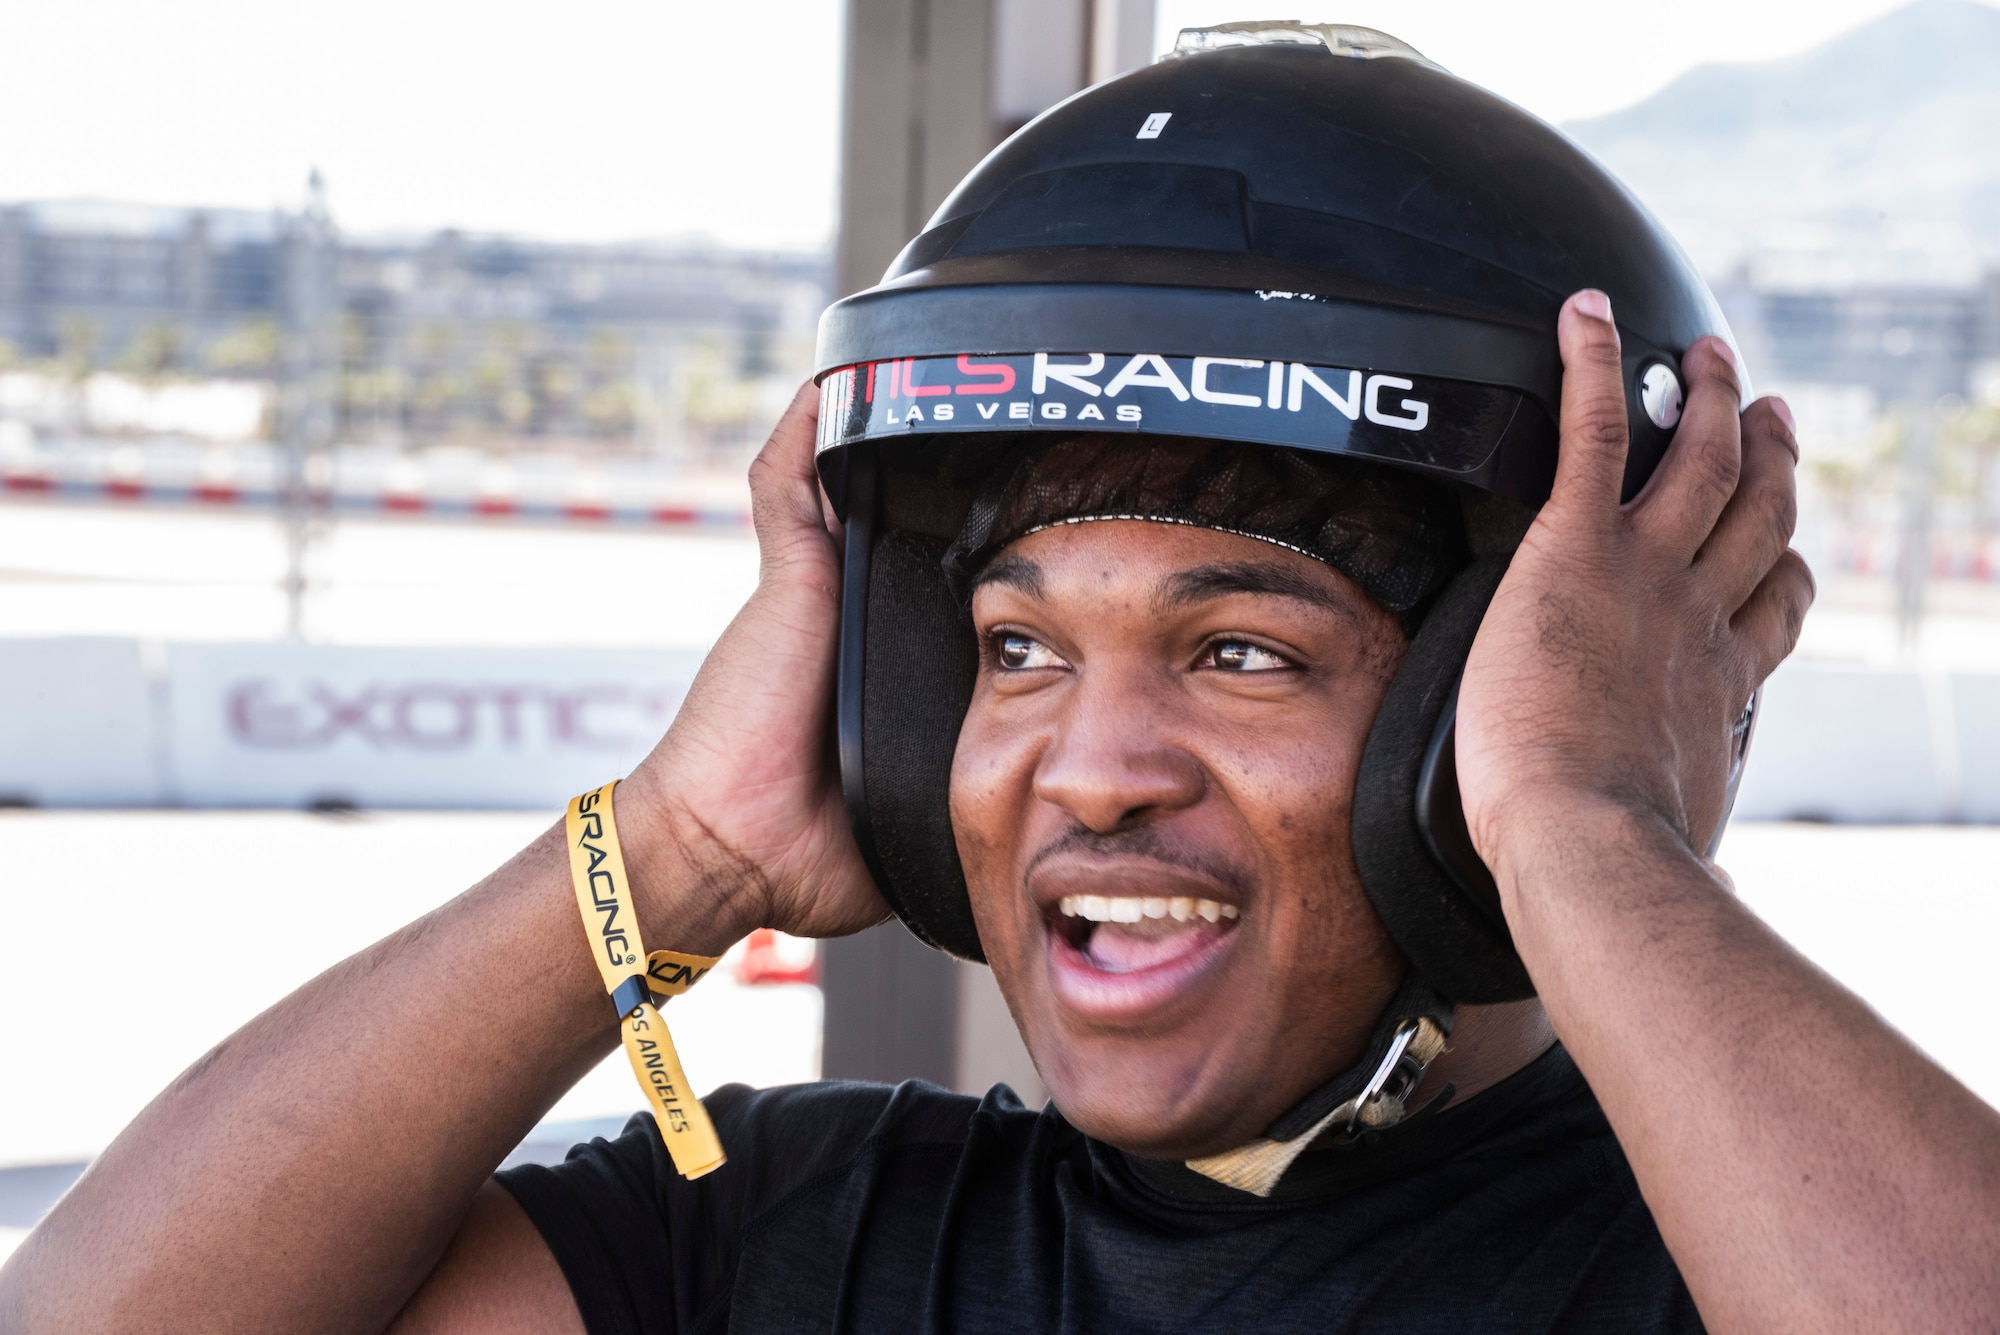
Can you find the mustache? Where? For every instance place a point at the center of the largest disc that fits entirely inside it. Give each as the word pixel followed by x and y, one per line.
pixel 1142 843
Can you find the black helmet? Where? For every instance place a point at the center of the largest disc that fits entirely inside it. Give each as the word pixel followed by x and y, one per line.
pixel 1296 236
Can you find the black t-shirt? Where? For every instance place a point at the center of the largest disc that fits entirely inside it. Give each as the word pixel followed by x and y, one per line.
pixel 870 1208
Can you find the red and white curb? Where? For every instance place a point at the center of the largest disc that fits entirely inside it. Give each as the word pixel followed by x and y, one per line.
pixel 227 496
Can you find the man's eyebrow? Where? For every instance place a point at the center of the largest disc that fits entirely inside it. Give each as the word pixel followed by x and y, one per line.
pixel 1202 583
pixel 1016 572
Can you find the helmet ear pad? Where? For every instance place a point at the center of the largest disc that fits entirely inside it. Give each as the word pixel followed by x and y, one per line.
pixel 1409 837
pixel 920 661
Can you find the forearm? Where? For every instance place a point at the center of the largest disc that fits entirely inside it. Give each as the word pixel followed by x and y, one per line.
pixel 1809 1168
pixel 307 1173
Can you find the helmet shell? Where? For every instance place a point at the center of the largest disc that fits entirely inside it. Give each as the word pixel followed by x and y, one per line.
pixel 1281 203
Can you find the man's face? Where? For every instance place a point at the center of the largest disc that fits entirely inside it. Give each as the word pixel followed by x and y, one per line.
pixel 1151 796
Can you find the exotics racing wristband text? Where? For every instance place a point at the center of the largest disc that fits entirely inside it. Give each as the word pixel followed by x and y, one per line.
pixel 634 979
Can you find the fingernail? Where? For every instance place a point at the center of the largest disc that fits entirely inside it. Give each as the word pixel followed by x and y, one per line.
pixel 1727 353
pixel 1593 303
pixel 1784 412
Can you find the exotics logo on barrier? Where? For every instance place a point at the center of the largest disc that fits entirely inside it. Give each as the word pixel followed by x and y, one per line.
pixel 446 716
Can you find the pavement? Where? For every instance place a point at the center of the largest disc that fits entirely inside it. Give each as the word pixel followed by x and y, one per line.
pixel 197 900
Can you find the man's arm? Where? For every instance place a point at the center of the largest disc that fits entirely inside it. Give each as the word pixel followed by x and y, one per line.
pixel 496 1278
pixel 1809 1169
pixel 309 1173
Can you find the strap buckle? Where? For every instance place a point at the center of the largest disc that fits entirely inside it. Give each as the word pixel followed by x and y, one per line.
pixel 1404 1074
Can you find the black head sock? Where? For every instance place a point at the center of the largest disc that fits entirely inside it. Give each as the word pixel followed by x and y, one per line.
pixel 1397 536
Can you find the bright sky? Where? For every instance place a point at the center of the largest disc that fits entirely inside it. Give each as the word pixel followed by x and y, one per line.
pixel 1566 59
pixel 605 119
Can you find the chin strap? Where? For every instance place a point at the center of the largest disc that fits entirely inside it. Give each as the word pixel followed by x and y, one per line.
pixel 1370 1097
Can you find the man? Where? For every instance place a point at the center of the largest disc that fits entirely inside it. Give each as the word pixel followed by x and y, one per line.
pixel 1150 797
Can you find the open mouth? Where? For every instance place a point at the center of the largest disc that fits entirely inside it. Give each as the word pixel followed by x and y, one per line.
pixel 1115 956
pixel 1123 934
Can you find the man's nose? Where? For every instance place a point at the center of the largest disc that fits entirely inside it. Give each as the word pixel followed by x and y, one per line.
pixel 1114 759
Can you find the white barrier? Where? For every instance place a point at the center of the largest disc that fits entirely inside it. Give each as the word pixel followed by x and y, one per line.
pixel 114 723
pixel 1843 744
pixel 295 724
pixel 1875 747
pixel 118 723
pixel 76 724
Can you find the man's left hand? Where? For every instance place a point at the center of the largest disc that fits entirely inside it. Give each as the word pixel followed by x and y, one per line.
pixel 1625 641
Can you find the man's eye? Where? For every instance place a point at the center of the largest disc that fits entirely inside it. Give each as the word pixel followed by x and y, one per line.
pixel 1240 656
pixel 1019 651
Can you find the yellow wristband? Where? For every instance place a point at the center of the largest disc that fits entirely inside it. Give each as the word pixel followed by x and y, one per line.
pixel 634 979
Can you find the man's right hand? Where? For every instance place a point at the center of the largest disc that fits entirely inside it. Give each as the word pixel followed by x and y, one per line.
pixel 736 820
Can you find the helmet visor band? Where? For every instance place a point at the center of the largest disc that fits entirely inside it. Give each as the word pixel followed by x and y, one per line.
pixel 1447 428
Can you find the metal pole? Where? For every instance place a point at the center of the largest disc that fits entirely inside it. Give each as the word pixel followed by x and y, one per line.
pixel 1919 507
pixel 307 395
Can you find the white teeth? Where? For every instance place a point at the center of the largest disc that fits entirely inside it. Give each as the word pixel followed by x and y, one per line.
pixel 1181 908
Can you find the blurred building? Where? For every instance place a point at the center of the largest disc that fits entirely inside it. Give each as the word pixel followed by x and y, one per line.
pixel 684 350
pixel 159 286
pixel 1887 339
pixel 1896 387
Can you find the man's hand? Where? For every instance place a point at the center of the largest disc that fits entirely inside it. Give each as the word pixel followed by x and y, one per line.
pixel 736 820
pixel 1808 1169
pixel 1625 640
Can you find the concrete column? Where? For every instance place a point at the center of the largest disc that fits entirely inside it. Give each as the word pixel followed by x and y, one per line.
pixel 915 115
pixel 1041 54
pixel 891 1009
pixel 1121 37
pixel 898 1010
pixel 931 85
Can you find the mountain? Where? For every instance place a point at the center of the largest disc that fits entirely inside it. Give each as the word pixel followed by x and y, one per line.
pixel 1875 157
